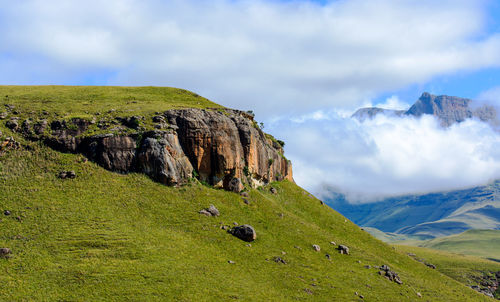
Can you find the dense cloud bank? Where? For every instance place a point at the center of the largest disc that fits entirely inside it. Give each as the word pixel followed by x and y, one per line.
pixel 275 57
pixel 388 155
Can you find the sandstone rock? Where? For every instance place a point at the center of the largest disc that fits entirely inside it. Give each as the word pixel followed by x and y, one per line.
pixel 40 127
pixel 205 212
pixel 161 157
pixel 343 249
pixel 116 153
pixel 8 143
pixel 12 124
pixel 316 247
pixel 235 185
pixel 213 210
pixel 216 143
pixel 244 232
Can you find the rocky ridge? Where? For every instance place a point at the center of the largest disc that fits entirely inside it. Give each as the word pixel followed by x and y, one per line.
pixel 224 148
pixel 448 109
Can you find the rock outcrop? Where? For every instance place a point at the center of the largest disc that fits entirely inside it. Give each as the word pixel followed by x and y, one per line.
pixel 224 148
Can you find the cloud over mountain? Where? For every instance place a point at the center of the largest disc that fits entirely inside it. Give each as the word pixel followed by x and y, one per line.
pixel 389 155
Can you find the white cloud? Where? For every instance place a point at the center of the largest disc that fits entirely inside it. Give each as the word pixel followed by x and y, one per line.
pixel 271 56
pixel 388 155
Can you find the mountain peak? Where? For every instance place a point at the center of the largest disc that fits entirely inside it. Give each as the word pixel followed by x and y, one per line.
pixel 448 109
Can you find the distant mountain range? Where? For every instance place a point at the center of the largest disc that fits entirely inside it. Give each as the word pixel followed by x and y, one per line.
pixel 430 215
pixel 448 109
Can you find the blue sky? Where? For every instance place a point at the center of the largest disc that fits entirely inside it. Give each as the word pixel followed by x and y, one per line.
pixel 302 65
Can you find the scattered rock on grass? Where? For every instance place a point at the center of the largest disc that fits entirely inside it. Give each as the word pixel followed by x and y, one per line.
pixel 12 124
pixel 4 252
pixel 210 211
pixel 244 232
pixel 6 212
pixel 343 249
pixel 67 174
pixel 279 260
pixel 391 275
pixel 244 194
pixel 213 210
pixel 316 247
pixel 205 212
pixel 273 190
pixel 235 185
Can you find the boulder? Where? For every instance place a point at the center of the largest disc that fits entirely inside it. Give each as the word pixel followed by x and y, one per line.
pixel 343 249
pixel 12 124
pixel 244 232
pixel 213 210
pixel 4 252
pixel 210 211
pixel 235 185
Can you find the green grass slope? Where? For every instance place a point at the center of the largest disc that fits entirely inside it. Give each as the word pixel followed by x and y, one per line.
pixel 468 270
pixel 111 237
pixel 481 243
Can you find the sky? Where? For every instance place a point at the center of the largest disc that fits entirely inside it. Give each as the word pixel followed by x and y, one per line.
pixel 302 66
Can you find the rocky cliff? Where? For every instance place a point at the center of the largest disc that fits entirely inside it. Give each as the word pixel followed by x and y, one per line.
pixel 222 147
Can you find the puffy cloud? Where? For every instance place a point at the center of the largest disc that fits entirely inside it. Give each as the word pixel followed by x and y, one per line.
pixel 275 57
pixel 387 155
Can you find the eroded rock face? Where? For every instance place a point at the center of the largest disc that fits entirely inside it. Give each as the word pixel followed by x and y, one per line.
pixel 161 157
pixel 226 145
pixel 220 146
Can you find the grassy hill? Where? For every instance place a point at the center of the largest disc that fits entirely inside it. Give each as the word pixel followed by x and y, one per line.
pixel 468 270
pixel 481 243
pixel 428 215
pixel 105 236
